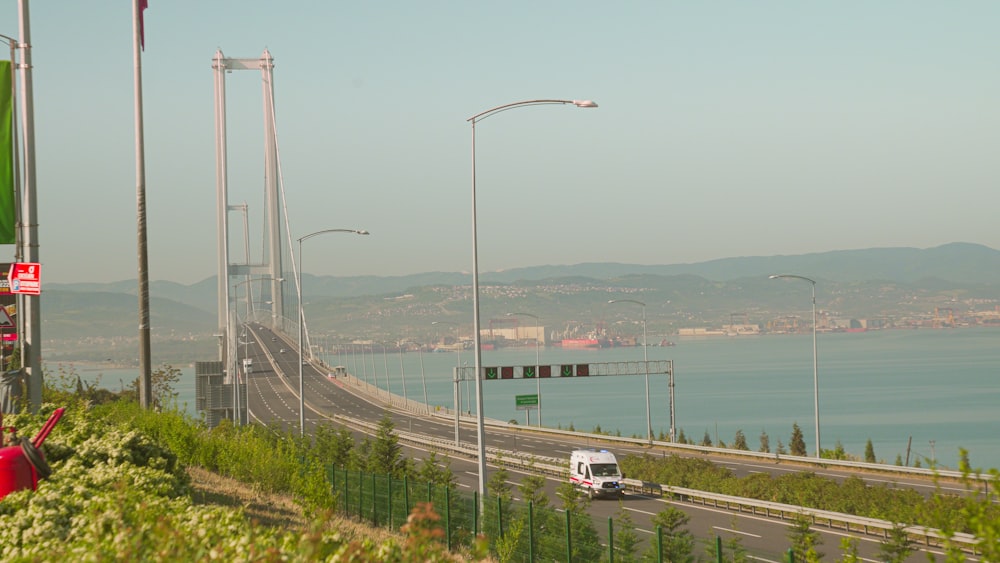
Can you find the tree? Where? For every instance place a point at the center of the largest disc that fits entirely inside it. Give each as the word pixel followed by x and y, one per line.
pixel 678 543
pixel 897 546
pixel 780 450
pixel 626 540
pixel 740 441
pixel 586 543
pixel 977 510
pixel 497 511
pixel 681 438
pixel 386 454
pixel 706 440
pixel 869 452
pixel 532 489
pixel 162 381
pixel 797 444
pixel 765 442
pixel 431 471
pixel 804 539
pixel 333 446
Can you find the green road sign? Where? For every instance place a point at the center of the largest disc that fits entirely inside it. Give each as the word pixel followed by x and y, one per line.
pixel 525 402
pixel 491 373
pixel 528 371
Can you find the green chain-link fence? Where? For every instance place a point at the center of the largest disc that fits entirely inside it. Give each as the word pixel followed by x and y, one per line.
pixel 516 531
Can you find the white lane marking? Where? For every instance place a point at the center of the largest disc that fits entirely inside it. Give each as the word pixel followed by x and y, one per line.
pixel 736 532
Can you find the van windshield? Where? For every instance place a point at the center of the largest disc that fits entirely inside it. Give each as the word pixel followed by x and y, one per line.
pixel 604 469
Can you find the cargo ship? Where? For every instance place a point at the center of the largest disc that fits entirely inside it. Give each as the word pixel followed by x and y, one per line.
pixel 581 343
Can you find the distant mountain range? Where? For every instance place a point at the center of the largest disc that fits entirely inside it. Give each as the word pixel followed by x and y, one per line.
pixel 955 263
pixel 716 287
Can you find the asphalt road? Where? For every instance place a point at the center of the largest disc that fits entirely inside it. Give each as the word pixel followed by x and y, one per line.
pixel 273 398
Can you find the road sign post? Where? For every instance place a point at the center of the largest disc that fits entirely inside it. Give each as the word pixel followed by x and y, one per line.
pixel 526 403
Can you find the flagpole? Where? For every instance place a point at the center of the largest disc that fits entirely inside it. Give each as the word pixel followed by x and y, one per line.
pixel 31 345
pixel 145 364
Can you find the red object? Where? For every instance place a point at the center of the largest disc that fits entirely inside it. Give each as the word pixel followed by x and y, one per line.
pixel 581 343
pixel 22 465
pixel 15 472
pixel 25 278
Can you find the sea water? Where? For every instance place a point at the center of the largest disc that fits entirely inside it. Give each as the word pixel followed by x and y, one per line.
pixel 923 393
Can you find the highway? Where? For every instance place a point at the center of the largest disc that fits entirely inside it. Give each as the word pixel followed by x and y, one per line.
pixel 273 399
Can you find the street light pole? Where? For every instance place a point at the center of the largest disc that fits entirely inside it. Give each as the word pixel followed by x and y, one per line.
pixel 477 337
pixel 645 360
pixel 301 318
pixel 538 380
pixel 815 363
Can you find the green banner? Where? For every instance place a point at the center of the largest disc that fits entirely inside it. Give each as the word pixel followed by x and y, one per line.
pixel 7 211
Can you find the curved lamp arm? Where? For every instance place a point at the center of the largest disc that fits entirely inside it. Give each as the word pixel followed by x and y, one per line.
pixel 483 115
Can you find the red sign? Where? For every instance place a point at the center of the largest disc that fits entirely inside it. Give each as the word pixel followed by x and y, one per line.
pixel 26 278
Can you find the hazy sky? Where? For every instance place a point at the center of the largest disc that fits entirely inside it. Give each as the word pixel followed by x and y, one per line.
pixel 725 129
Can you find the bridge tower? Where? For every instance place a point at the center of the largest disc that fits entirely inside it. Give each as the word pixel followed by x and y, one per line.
pixel 233 272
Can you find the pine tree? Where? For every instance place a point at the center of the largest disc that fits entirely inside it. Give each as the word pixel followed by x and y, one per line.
pixel 431 471
pixel 678 543
pixel 765 442
pixel 333 446
pixel 870 452
pixel 386 455
pixel 626 540
pixel 740 442
pixel 706 440
pixel 804 539
pixel 532 489
pixel 797 444
pixel 897 547
pixel 780 450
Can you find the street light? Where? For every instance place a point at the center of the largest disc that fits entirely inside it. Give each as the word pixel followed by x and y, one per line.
pixel 538 380
pixel 480 427
pixel 815 364
pixel 649 421
pixel 298 288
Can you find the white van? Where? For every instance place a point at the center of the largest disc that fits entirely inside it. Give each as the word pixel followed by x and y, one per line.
pixel 596 472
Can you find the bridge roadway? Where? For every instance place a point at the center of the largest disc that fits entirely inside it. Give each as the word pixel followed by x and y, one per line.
pixel 273 399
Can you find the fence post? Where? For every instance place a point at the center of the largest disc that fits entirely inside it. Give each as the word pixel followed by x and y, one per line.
pixel 659 544
pixel 447 516
pixel 347 488
pixel 569 540
pixel 475 513
pixel 531 532
pixel 388 498
pixel 718 549
pixel 430 492
pixel 406 495
pixel 361 495
pixel 791 555
pixel 374 502
pixel 499 517
pixel 611 541
pixel 331 477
